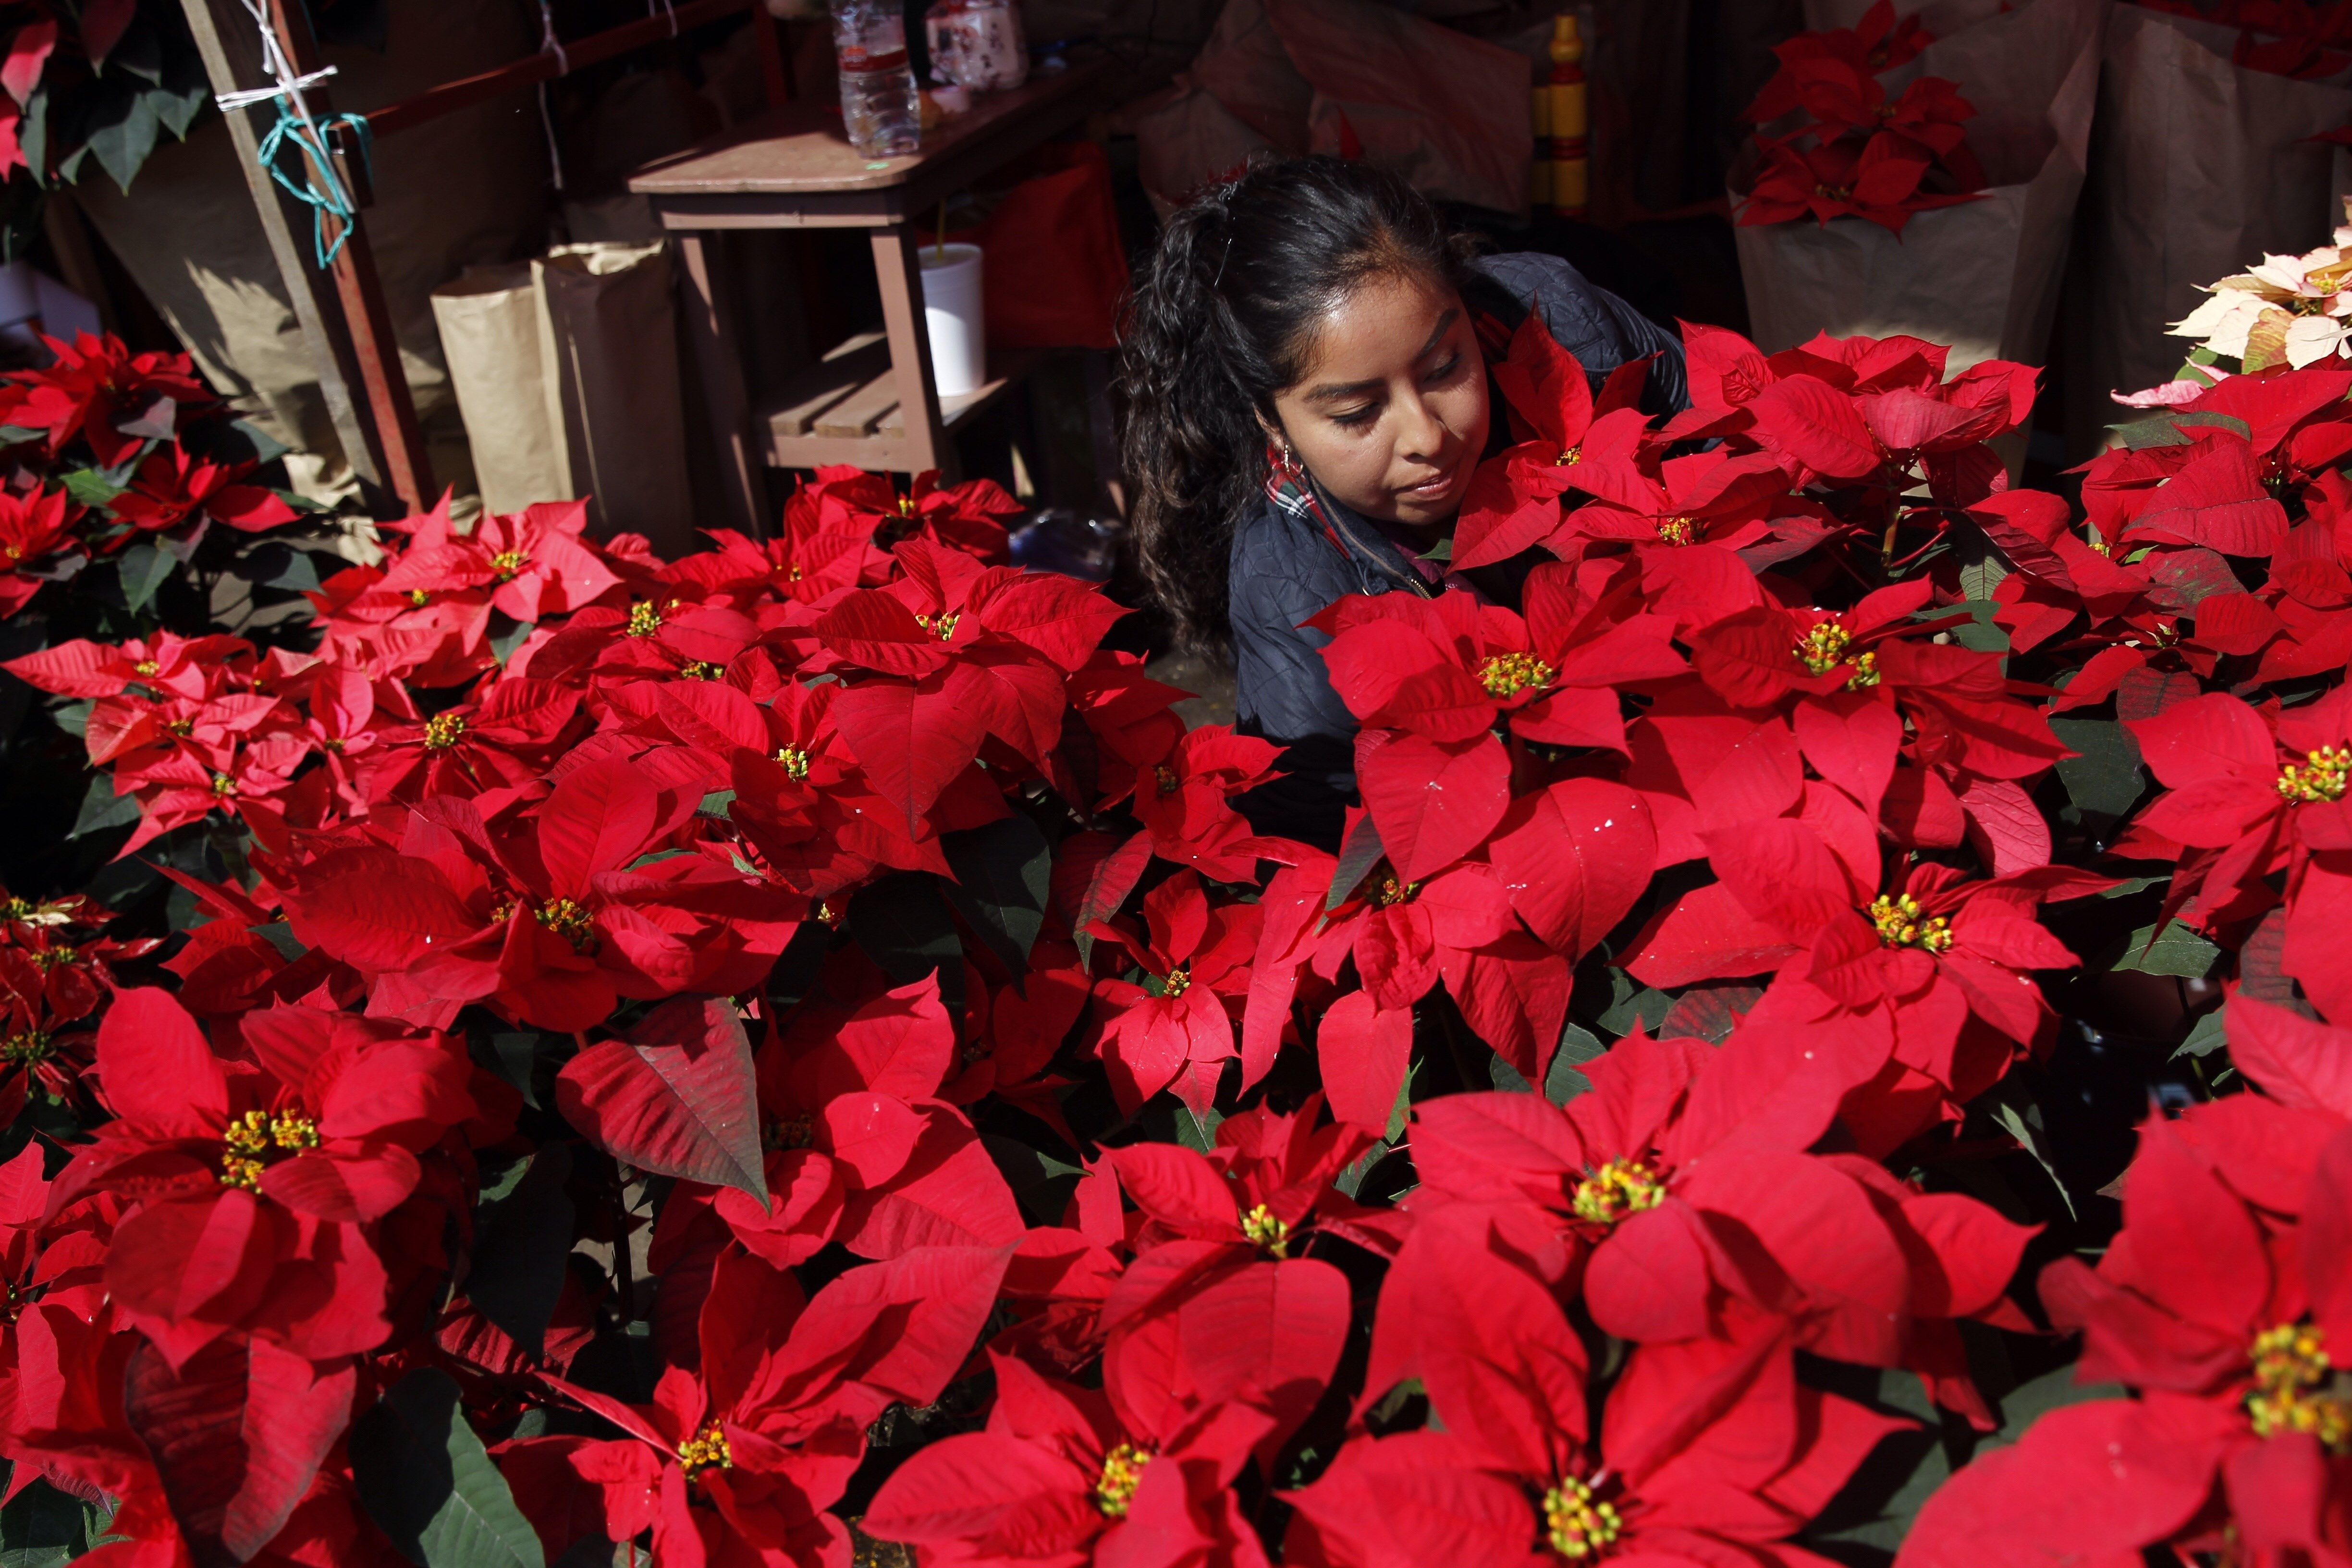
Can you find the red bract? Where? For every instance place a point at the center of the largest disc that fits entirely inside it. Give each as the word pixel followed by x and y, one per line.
pixel 1677 1198
pixel 256 1189
pixel 1058 1478
pixel 1711 1447
pixel 1174 1029
pixel 1451 669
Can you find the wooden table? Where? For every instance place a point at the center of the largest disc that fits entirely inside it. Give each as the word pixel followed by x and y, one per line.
pixel 868 401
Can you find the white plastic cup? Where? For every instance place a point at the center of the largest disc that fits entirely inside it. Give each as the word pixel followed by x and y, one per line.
pixel 952 312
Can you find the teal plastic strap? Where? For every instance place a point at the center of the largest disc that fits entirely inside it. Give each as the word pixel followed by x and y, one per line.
pixel 309 142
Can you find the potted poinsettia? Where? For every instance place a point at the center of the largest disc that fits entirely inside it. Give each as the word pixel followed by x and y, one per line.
pixel 1905 182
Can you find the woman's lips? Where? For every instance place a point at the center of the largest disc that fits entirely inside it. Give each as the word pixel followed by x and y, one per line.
pixel 1432 489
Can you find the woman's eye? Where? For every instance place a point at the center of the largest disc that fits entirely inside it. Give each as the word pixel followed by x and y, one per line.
pixel 1355 416
pixel 1444 372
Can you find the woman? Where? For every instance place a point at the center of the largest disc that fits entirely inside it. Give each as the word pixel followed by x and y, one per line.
pixel 1307 395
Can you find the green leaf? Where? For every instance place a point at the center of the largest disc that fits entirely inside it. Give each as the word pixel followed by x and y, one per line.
pixel 1198 1135
pixel 2208 1035
pixel 1562 1082
pixel 1505 1077
pixel 2176 951
pixel 1401 1111
pixel 505 643
pixel 123 129
pixel 1442 551
pixel 42 1527
pixel 89 487
pixel 1978 578
pixel 2105 778
pixel 522 1235
pixel 902 925
pixel 1980 634
pixel 430 1486
pixel 1633 1004
pixel 715 804
pixel 1357 856
pixel 1003 873
pixel 2020 1115
pixel 2138 435
pixel 101 808
pixel 1040 1183
pixel 2229 422
pixel 143 568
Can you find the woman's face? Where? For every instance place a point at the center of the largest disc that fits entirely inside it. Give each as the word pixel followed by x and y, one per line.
pixel 1391 415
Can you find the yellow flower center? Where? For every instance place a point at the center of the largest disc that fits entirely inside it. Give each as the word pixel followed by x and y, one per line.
pixel 1391 891
pixel 1618 1190
pixel 223 786
pixel 1823 649
pixel 2321 776
pixel 569 921
pixel 825 914
pixel 941 626
pixel 444 730
pixel 54 957
pixel 1267 1231
pixel 700 669
pixel 1164 779
pixel 2291 1390
pixel 706 1450
pixel 1576 1526
pixel 507 563
pixel 419 597
pixel 146 667
pixel 26 1048
pixel 1509 674
pixel 1677 530
pixel 1122 1472
pixel 182 728
pixel 1175 983
pixel 792 1132
pixel 254 1140
pixel 644 620
pixel 1862 672
pixel 1568 458
pixel 1898 918
pixel 793 761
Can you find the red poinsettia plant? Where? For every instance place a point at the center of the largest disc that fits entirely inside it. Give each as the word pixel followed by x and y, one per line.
pixel 1833 142
pixel 796 1055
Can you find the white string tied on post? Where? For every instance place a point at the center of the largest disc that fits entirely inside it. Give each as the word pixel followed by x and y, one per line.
pixel 669 5
pixel 550 44
pixel 321 188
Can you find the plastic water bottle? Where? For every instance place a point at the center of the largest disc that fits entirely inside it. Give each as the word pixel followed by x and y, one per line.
pixel 878 90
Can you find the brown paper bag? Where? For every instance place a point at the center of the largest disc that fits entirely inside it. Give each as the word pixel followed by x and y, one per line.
pixel 2198 169
pixel 566 371
pixel 489 324
pixel 1983 276
pixel 609 336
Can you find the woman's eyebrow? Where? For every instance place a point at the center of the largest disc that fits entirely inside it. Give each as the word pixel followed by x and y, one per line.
pixel 1338 391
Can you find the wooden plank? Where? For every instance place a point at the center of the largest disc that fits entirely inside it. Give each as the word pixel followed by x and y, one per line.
pixel 862 412
pixel 1006 369
pixel 802 149
pixel 846 368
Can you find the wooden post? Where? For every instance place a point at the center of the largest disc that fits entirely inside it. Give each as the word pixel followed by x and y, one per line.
pixel 709 327
pixel 900 273
pixel 407 468
pixel 232 66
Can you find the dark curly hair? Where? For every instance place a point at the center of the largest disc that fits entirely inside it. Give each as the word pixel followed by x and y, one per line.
pixel 1223 319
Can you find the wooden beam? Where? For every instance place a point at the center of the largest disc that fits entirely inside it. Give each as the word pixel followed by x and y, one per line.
pixel 533 69
pixel 231 57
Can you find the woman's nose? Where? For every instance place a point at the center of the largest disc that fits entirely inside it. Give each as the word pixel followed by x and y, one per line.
pixel 1421 434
